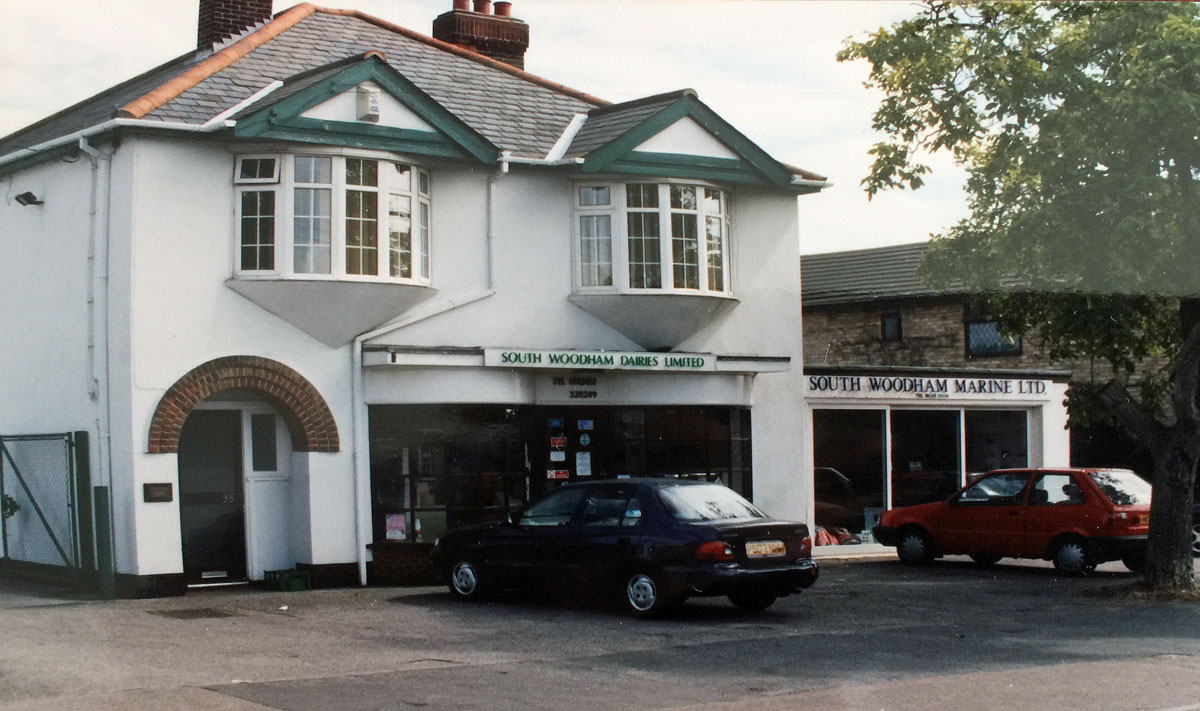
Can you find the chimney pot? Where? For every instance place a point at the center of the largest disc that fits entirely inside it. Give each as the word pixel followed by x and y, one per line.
pixel 462 4
pixel 500 36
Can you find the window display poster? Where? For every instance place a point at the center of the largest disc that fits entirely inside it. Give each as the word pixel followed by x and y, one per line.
pixel 558 455
pixel 396 527
pixel 584 425
pixel 556 423
pixel 583 464
pixel 558 473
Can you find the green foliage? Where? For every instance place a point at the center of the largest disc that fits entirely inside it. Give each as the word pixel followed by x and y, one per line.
pixel 1077 124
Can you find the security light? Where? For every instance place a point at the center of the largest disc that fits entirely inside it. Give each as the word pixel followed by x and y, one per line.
pixel 28 198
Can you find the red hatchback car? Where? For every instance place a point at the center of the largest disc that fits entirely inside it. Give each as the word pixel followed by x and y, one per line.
pixel 1076 518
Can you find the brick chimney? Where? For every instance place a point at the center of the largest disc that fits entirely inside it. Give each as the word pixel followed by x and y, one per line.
pixel 499 36
pixel 222 19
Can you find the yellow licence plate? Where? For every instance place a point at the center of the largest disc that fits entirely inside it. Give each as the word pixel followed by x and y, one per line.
pixel 1143 519
pixel 765 549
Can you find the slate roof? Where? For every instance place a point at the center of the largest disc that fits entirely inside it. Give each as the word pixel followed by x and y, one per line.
pixel 606 123
pixel 864 275
pixel 514 110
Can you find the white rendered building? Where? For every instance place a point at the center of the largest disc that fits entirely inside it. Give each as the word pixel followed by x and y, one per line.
pixel 324 289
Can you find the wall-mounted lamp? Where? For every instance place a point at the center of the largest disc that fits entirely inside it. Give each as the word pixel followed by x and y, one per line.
pixel 28 198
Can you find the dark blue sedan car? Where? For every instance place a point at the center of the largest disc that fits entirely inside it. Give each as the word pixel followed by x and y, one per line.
pixel 652 542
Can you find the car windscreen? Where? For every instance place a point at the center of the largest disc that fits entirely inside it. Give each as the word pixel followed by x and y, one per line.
pixel 1123 488
pixel 706 502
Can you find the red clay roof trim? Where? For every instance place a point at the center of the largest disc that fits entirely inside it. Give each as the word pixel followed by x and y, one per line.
pixel 464 52
pixel 140 107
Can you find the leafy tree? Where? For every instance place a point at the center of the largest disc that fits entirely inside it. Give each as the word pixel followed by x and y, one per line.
pixel 1079 127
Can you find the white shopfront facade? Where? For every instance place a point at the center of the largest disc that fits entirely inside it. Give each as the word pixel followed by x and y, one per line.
pixel 887 437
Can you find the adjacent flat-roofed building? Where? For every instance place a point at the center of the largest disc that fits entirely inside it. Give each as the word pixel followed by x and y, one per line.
pixel 909 393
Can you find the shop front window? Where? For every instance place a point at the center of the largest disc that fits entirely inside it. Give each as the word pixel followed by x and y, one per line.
pixel 996 439
pixel 437 467
pixel 849 474
pixel 926 453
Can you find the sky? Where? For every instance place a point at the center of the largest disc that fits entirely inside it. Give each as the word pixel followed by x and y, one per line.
pixel 766 66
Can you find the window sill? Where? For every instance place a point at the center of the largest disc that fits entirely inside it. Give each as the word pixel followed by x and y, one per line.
pixel 656 320
pixel 333 311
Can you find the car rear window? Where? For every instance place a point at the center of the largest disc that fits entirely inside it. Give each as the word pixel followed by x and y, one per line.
pixel 706 502
pixel 1123 488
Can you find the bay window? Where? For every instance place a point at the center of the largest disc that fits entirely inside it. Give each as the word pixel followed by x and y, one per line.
pixel 636 237
pixel 332 216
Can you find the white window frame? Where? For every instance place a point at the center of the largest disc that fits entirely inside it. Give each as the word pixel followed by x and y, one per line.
pixel 618 210
pixel 284 185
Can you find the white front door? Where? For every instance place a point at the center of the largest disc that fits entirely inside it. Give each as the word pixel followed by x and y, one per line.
pixel 267 457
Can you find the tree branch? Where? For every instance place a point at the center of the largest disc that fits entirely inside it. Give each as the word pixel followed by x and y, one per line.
pixel 1187 378
pixel 1144 428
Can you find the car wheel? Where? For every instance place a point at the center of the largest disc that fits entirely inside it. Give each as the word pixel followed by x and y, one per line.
pixel 986 559
pixel 752 600
pixel 644 594
pixel 1073 556
pixel 465 580
pixel 914 547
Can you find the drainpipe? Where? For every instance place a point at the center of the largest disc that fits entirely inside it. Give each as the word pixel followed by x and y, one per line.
pixel 491 218
pixel 99 381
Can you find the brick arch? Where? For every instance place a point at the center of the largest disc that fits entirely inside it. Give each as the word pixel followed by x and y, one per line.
pixel 307 415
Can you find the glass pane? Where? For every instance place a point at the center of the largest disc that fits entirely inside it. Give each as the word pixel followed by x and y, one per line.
pixel 641 195
pixel 557 509
pixel 715 250
pixel 683 197
pixel 996 490
pixel 353 172
pixel 594 196
pixel 685 250
pixel 424 207
pixel 262 443
pixel 311 230
pixel 362 232
pixel 985 339
pixel 596 249
pixel 401 178
pixel 925 456
pixel 400 236
pixel 257 169
pixel 258 230
pixel 996 439
pixel 1056 490
pixel 313 169
pixel 712 201
pixel 848 477
pixel 424 182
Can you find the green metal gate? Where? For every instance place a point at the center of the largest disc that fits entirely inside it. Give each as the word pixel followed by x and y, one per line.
pixel 46 521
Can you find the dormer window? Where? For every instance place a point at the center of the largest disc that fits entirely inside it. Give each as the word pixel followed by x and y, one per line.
pixel 652 237
pixel 332 217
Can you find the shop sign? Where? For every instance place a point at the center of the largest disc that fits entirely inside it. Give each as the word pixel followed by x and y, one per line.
pixel 919 388
pixel 599 360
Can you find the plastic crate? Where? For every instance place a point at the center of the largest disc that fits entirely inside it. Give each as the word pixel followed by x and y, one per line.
pixel 290 580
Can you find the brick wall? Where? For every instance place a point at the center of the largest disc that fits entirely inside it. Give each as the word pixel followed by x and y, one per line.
pixel 221 19
pixel 933 336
